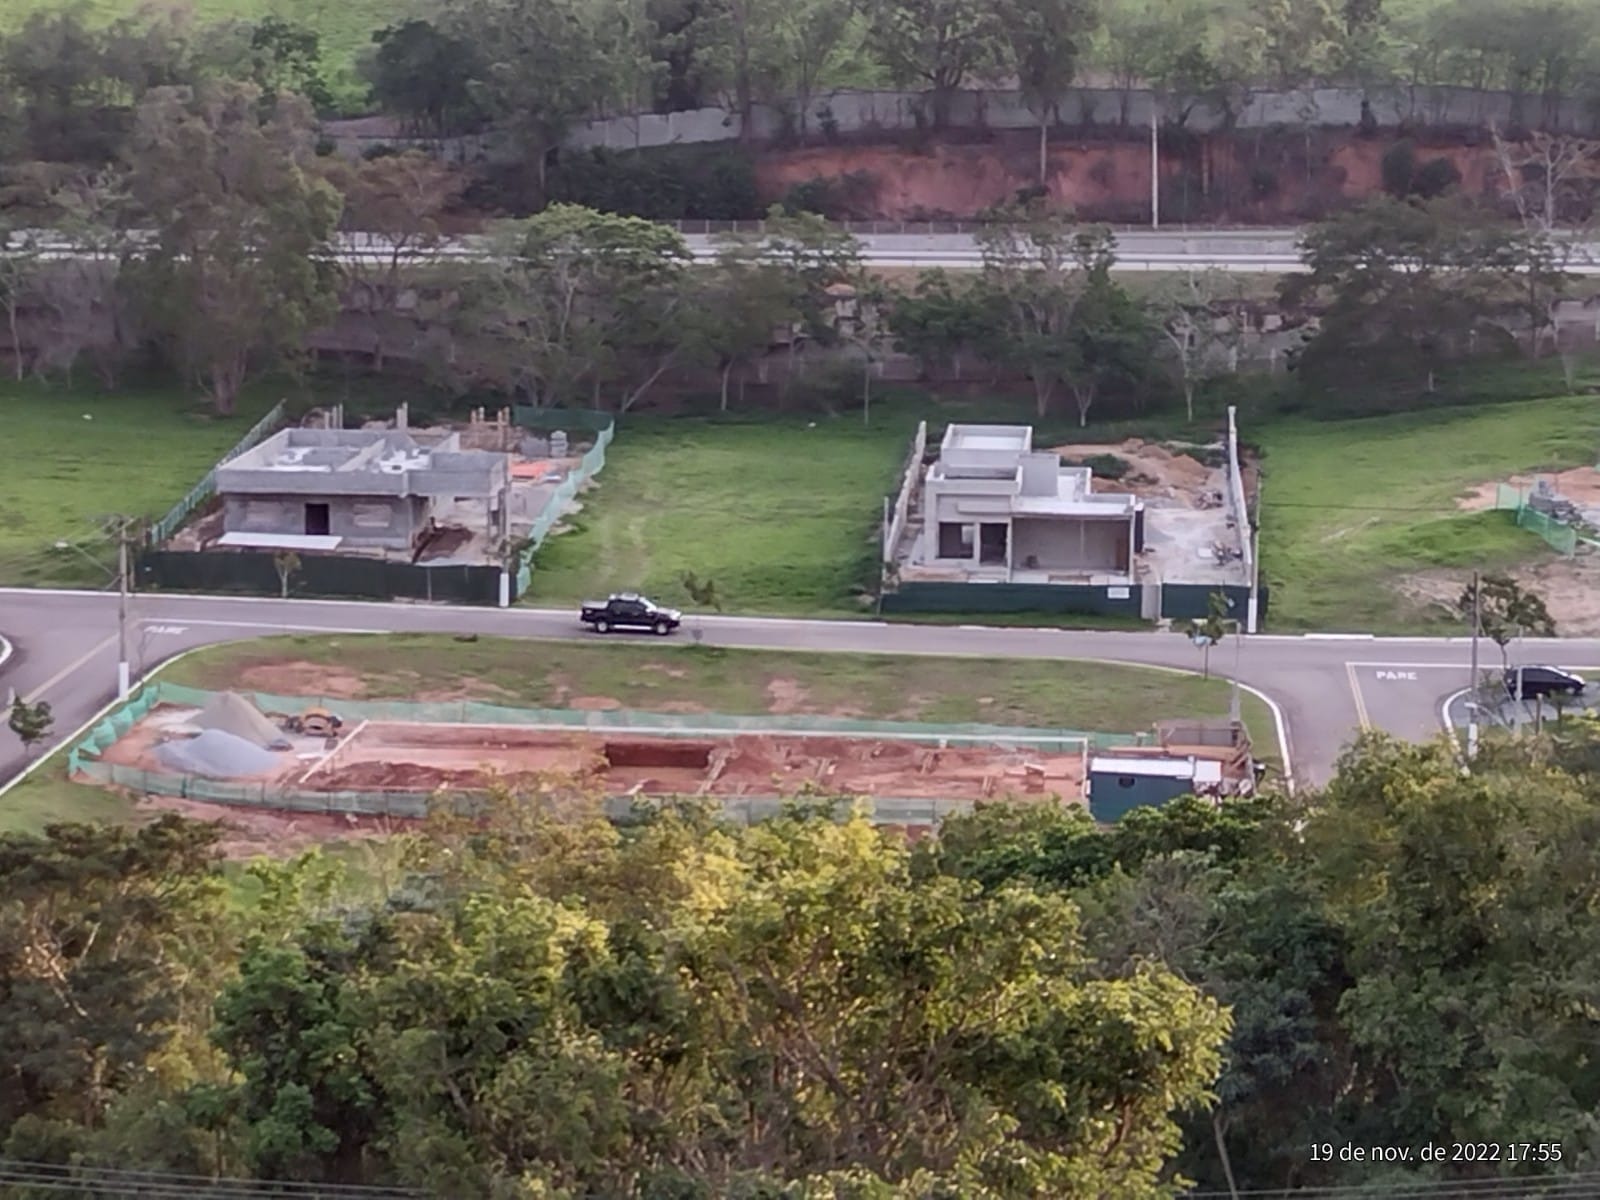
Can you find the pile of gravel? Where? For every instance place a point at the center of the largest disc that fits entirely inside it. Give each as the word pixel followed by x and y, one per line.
pixel 216 754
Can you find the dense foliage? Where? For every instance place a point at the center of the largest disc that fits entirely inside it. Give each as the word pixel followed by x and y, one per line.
pixel 537 1002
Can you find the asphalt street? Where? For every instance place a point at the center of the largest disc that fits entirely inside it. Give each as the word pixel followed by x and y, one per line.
pixel 1326 686
pixel 1252 251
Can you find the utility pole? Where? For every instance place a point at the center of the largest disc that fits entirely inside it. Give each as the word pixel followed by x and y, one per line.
pixel 124 674
pixel 1155 164
pixel 1472 693
pixel 1234 711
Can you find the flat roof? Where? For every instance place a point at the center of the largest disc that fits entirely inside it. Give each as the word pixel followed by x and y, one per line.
pixel 1152 768
pixel 281 541
pixel 988 437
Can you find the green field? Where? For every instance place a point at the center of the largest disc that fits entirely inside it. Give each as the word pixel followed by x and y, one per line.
pixel 1350 507
pixel 782 515
pixel 1091 697
pixel 137 453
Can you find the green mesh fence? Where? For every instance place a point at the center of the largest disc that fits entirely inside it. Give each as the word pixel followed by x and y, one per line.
pixel 202 491
pixel 85 760
pixel 1562 538
pixel 590 466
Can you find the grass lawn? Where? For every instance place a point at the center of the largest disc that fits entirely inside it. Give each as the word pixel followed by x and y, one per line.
pixel 1348 507
pixel 140 453
pixel 782 514
pixel 1094 697
pixel 49 797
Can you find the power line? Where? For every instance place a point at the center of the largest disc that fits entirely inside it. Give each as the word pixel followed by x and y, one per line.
pixel 165 1185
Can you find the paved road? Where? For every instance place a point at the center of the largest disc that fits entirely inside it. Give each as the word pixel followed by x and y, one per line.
pixel 1326 687
pixel 1253 251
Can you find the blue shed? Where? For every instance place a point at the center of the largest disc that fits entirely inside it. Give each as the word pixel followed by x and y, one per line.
pixel 1117 784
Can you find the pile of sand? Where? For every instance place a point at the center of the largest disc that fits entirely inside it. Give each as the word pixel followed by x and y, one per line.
pixel 216 754
pixel 229 712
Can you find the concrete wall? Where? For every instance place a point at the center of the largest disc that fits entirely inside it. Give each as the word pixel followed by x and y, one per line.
pixel 1069 545
pixel 855 112
pixel 380 521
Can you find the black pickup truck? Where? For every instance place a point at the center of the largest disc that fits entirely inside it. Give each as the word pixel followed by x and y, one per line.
pixel 629 610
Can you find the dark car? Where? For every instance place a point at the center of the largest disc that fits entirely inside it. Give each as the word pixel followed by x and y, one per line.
pixel 629 610
pixel 1534 683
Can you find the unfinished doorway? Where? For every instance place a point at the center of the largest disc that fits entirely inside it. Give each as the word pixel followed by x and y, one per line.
pixel 993 542
pixel 317 520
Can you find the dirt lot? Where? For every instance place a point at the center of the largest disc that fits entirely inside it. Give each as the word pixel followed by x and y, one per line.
pixel 1156 472
pixel 1581 485
pixel 1570 588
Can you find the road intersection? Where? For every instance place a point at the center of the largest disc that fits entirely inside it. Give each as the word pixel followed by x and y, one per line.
pixel 1325 686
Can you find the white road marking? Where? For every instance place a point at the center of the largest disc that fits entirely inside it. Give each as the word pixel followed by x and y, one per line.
pixel 69 669
pixel 1355 694
pixel 265 625
pixel 1405 676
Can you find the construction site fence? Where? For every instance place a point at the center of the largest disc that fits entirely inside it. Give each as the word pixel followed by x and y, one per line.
pixel 207 487
pixel 594 460
pixel 1562 538
pixel 84 758
pixel 255 573
pixel 1178 601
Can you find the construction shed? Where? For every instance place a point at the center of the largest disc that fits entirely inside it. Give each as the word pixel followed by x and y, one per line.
pixel 1118 783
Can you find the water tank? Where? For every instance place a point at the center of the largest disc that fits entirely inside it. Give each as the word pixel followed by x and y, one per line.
pixel 558 444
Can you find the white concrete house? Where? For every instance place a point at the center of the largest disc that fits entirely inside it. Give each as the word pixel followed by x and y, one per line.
pixel 1000 511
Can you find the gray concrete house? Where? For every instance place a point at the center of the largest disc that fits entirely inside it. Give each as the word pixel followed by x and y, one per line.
pixel 999 510
pixel 326 489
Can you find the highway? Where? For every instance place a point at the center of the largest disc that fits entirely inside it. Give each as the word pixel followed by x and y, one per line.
pixel 1243 251
pixel 1325 686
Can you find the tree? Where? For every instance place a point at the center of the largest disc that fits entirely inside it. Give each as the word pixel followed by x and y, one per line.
pixel 851 1011
pixel 1404 285
pixel 286 58
pixel 1505 611
pixel 1038 269
pixel 1458 898
pixel 936 44
pixel 943 320
pixel 577 300
pixel 743 300
pixel 401 198
pixel 813 261
pixel 109 941
pixel 1210 630
pixel 286 563
pixel 1042 43
pixel 31 722
pixel 1109 342
pixel 1201 316
pixel 541 65
pixel 19 266
pixel 424 75
pixel 240 266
